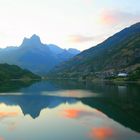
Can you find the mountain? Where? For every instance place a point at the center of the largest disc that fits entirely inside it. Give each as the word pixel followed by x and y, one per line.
pixel 120 52
pixel 57 50
pixel 11 72
pixel 35 56
pixel 73 51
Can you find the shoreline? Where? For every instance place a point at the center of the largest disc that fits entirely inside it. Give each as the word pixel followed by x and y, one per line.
pixel 94 80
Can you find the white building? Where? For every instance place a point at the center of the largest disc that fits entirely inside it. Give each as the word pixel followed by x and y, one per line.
pixel 122 74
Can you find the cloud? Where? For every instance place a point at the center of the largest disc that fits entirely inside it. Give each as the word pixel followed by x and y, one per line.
pixel 112 17
pixel 107 17
pixel 80 38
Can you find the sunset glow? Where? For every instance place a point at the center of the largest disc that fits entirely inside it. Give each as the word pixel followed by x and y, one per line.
pixel 101 133
pixel 71 113
pixel 76 23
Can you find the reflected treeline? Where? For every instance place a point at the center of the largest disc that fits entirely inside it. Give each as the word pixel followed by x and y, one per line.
pixel 126 113
pixel 119 102
pixel 10 86
pixel 37 87
pixel 99 87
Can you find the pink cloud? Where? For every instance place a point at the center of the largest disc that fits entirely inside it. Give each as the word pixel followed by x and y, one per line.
pixel 108 17
pixel 112 17
pixel 80 38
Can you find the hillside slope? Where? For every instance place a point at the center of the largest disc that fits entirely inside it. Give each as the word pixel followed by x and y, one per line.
pixel 121 52
pixel 13 72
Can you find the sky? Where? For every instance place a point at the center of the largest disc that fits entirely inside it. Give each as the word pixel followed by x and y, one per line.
pixel 78 24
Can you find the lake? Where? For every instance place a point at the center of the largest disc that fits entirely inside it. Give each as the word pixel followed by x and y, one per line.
pixel 69 110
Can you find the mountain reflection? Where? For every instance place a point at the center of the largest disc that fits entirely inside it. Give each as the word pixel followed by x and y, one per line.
pixel 119 102
pixel 32 105
pixel 12 86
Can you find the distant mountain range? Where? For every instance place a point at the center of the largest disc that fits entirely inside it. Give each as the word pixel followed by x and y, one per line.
pixel 36 56
pixel 120 52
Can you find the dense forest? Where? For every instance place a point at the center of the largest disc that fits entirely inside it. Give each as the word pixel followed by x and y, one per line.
pixel 13 72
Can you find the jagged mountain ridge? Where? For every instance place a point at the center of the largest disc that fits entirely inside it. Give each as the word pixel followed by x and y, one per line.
pixel 35 56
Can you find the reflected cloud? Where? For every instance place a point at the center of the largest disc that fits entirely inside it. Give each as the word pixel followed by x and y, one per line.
pixel 71 113
pixel 79 113
pixel 101 133
pixel 12 126
pixel 11 93
pixel 8 111
pixel 1 138
pixel 5 114
pixel 72 93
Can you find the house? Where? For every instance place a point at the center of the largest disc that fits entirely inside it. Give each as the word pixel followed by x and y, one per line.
pixel 122 74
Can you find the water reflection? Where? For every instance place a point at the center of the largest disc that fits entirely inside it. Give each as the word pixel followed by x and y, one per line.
pixel 100 111
pixel 101 133
pixel 72 93
pixel 14 86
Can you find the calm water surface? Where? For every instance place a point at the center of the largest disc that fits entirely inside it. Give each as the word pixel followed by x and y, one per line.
pixel 69 110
